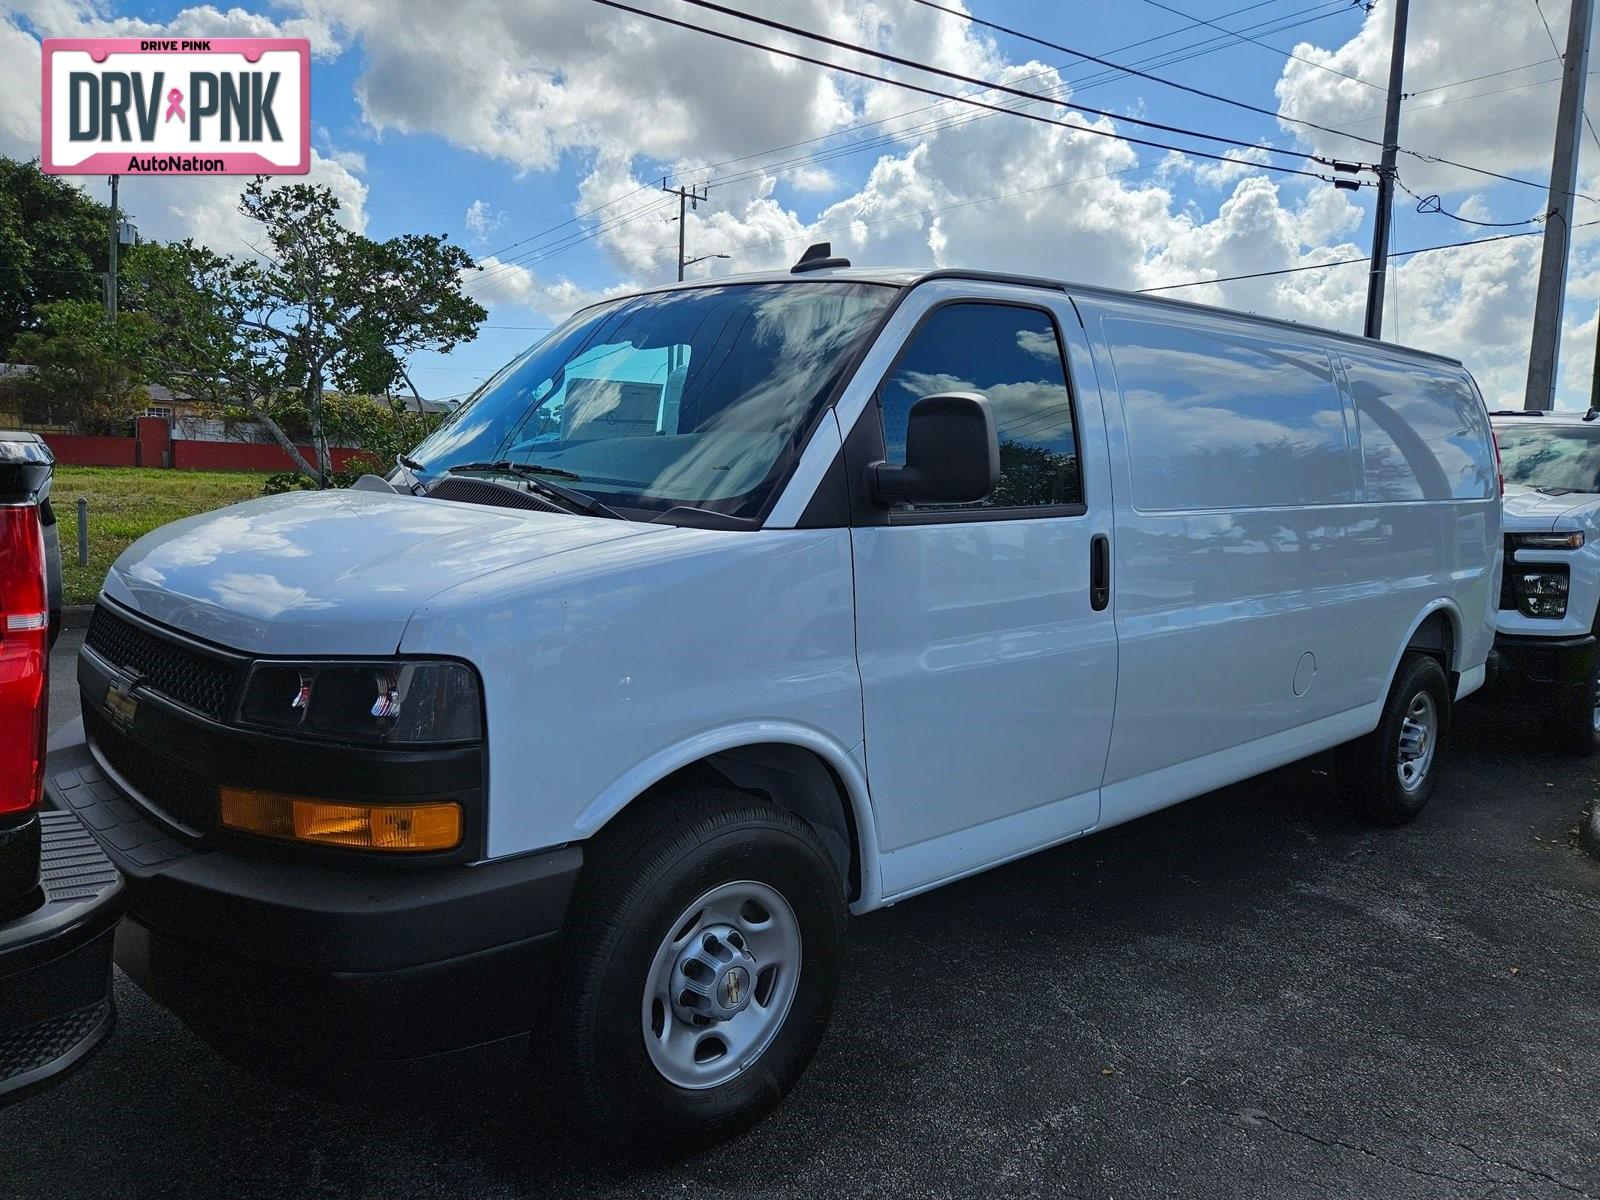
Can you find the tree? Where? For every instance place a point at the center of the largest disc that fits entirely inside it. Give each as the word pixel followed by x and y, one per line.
pixel 323 306
pixel 87 370
pixel 335 307
pixel 53 246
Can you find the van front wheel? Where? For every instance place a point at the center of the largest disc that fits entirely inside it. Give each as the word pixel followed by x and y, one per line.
pixel 1392 771
pixel 699 969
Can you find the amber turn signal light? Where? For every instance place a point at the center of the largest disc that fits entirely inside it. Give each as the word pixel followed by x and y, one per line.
pixel 392 827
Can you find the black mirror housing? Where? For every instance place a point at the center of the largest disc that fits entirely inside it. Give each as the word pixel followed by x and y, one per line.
pixel 952 454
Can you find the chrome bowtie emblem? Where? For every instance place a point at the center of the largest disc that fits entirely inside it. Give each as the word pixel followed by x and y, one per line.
pixel 733 987
pixel 121 704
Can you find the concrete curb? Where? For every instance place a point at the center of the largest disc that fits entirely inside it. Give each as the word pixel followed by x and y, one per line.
pixel 1589 830
pixel 76 616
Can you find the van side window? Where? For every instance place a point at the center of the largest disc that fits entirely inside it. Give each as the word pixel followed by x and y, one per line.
pixel 1423 432
pixel 1010 355
pixel 1224 420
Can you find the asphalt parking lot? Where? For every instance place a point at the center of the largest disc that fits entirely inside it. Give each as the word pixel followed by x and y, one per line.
pixel 1253 994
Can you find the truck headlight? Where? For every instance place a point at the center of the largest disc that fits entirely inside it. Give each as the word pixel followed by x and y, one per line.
pixel 1545 541
pixel 1542 591
pixel 406 701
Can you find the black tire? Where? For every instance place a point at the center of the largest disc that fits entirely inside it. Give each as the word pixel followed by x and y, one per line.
pixel 1570 726
pixel 640 875
pixel 1369 767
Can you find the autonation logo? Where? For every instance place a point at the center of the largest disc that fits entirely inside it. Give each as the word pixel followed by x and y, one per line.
pixel 207 106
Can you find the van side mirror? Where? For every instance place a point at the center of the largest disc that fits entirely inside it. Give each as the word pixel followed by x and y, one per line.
pixel 952 454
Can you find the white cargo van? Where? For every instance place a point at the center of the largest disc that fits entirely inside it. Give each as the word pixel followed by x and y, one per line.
pixel 732 608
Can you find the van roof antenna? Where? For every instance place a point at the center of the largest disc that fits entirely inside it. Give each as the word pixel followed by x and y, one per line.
pixel 818 257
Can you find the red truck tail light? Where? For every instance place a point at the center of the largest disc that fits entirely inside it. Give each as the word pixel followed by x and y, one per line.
pixel 24 657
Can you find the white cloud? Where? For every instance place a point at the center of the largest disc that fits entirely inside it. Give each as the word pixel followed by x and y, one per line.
pixel 481 220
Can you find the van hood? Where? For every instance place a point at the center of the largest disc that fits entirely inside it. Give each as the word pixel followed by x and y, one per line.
pixel 1528 511
pixel 335 572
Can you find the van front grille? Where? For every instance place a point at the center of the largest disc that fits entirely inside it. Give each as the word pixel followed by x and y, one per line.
pixel 182 673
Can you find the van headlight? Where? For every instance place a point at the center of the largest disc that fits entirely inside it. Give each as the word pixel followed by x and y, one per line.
pixel 404 702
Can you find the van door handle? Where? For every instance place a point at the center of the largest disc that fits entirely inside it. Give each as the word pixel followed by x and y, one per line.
pixel 1099 571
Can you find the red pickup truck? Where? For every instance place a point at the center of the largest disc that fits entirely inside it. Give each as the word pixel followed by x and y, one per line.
pixel 60 897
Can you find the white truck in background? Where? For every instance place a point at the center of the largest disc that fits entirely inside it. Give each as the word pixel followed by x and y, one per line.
pixel 1544 646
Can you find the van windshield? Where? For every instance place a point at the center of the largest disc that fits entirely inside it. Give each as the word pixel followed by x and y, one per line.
pixel 696 398
pixel 1552 457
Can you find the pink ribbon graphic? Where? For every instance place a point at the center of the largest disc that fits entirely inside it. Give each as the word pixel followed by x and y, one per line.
pixel 175 106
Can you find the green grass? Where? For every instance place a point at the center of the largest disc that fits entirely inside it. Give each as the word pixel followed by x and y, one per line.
pixel 125 503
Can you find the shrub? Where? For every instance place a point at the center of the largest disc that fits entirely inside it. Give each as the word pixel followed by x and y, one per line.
pixel 293 481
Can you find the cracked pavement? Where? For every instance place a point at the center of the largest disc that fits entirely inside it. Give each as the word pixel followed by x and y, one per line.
pixel 1251 995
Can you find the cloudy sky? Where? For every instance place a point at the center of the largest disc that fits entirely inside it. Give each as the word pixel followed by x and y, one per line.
pixel 537 134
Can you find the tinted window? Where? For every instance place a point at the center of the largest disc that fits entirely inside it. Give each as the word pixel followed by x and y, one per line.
pixel 1424 435
pixel 1010 356
pixel 1223 420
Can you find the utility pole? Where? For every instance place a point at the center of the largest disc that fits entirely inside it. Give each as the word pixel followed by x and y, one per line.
pixel 116 236
pixel 686 197
pixel 1391 140
pixel 1544 351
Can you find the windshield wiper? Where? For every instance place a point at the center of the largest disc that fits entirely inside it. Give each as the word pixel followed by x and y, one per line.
pixel 530 474
pixel 518 468
pixel 1555 491
pixel 409 463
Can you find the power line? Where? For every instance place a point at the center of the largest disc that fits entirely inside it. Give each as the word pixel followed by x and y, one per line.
pixel 944 122
pixel 1562 58
pixel 1341 262
pixel 1430 205
pixel 1183 53
pixel 914 87
pixel 1438 87
pixel 960 77
pixel 1256 42
pixel 1248 106
pixel 1214 43
pixel 563 224
pixel 1154 78
pixel 541 254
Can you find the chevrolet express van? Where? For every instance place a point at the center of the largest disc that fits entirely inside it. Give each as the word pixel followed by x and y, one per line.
pixel 736 607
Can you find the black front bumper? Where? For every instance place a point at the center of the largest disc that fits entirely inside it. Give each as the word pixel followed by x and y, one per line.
pixel 55 960
pixel 312 968
pixel 1542 665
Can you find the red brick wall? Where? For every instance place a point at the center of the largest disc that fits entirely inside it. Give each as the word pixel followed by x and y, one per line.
pixel 77 450
pixel 247 456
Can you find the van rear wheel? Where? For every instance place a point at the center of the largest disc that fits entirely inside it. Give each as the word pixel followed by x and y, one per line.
pixel 699 969
pixel 1391 773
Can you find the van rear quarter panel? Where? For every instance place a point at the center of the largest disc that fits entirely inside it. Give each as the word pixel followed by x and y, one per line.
pixel 1263 595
